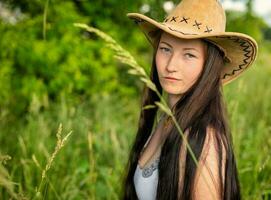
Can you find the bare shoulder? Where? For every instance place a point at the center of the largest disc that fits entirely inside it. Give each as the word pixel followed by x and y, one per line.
pixel 207 179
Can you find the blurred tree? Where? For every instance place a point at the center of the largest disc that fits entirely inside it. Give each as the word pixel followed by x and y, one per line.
pixel 267 33
pixel 247 22
pixel 68 62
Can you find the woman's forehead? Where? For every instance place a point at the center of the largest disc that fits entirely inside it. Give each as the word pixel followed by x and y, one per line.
pixel 176 42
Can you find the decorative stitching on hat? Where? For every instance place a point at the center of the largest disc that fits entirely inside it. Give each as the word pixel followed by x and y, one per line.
pixel 182 32
pixel 174 18
pixel 245 47
pixel 208 30
pixel 197 24
pixel 185 20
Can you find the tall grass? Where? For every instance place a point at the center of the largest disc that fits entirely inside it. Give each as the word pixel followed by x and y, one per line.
pixel 249 107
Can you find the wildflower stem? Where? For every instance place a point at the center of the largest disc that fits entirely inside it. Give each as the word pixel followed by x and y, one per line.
pixel 60 143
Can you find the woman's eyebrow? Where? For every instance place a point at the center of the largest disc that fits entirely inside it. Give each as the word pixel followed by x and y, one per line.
pixel 186 48
pixel 167 44
pixel 190 48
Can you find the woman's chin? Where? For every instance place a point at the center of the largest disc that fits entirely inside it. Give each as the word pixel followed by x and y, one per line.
pixel 173 91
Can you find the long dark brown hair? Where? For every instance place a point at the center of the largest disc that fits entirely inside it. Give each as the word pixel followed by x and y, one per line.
pixel 198 108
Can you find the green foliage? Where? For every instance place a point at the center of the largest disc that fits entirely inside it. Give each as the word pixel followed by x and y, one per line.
pixel 68 61
pixel 249 109
pixel 246 23
pixel 91 162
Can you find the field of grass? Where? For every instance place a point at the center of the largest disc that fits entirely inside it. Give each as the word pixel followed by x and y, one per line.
pixel 90 163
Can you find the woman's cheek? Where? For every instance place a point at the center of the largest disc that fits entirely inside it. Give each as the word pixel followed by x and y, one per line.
pixel 159 69
pixel 194 69
pixel 161 65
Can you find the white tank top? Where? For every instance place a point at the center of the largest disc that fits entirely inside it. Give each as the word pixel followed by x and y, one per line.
pixel 146 180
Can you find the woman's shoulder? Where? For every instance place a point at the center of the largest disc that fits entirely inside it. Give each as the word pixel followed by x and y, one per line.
pixel 207 175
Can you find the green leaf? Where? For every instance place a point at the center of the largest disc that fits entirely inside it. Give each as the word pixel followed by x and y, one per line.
pixel 149 107
pixel 163 108
pixel 149 84
pixel 133 71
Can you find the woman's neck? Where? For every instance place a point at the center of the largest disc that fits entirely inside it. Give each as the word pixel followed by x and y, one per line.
pixel 172 99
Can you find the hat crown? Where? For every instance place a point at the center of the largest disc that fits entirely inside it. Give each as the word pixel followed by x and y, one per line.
pixel 198 16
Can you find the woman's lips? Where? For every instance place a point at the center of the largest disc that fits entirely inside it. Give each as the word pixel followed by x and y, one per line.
pixel 171 78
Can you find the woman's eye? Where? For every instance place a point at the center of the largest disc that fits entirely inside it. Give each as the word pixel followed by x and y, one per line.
pixel 189 55
pixel 165 49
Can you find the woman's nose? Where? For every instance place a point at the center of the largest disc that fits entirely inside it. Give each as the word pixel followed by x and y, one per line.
pixel 172 64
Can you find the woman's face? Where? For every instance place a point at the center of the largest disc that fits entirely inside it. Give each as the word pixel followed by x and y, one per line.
pixel 179 62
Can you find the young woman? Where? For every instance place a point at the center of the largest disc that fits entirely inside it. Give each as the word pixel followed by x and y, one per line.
pixel 193 58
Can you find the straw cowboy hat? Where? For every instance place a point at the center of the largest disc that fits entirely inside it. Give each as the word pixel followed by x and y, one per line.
pixel 205 19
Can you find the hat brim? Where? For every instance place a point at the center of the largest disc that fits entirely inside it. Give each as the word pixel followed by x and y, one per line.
pixel 239 49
